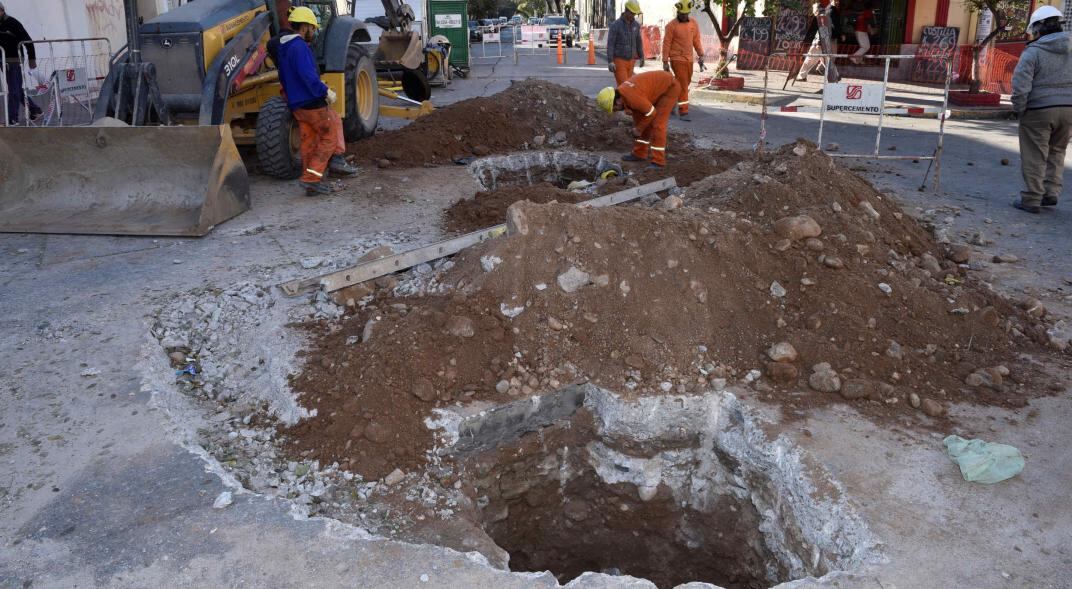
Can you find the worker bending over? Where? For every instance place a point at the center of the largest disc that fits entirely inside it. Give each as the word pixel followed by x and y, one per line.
pixel 650 97
pixel 309 100
pixel 681 38
pixel 624 45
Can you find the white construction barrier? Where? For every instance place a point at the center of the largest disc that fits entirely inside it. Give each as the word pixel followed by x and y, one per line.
pixel 866 98
pixel 66 81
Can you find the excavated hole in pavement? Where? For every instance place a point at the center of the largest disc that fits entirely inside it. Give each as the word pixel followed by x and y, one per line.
pixel 674 488
pixel 559 168
pixel 671 489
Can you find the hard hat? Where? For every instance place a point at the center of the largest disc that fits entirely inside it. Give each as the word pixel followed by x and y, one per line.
pixel 684 6
pixel 1042 13
pixel 633 6
pixel 302 15
pixel 605 99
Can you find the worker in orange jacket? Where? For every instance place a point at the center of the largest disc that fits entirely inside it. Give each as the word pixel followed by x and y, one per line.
pixel 682 37
pixel 650 97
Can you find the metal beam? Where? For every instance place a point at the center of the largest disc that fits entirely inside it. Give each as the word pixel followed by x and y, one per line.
pixel 396 263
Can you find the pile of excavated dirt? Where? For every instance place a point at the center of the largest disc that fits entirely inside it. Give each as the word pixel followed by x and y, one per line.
pixel 786 272
pixel 529 114
pixel 489 208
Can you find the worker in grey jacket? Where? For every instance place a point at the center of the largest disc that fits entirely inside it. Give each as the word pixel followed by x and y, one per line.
pixel 1042 97
pixel 624 44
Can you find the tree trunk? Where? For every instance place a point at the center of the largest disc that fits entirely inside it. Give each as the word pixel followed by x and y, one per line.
pixel 976 84
pixel 724 39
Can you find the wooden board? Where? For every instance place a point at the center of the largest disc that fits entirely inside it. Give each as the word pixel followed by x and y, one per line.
pixel 755 42
pixel 405 260
pixel 936 49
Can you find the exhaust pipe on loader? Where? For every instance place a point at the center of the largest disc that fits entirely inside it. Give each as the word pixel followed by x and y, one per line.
pixel 120 180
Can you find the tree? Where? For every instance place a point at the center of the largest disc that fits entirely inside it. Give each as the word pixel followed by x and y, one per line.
pixel 732 7
pixel 1000 11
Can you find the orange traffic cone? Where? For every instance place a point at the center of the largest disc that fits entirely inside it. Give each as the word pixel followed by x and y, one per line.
pixel 591 51
pixel 560 49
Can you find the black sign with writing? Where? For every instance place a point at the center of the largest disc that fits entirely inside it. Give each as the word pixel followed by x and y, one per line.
pixel 755 43
pixel 790 31
pixel 936 50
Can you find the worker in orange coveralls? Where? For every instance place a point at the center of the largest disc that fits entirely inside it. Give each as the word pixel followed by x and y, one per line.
pixel 650 97
pixel 681 38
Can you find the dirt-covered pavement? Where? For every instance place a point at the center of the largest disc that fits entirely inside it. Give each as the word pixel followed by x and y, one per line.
pixel 102 487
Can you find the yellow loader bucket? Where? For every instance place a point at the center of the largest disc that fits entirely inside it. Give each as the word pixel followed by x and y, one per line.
pixel 400 48
pixel 123 180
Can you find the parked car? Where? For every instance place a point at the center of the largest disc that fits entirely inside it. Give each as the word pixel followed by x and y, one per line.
pixel 515 20
pixel 475 36
pixel 559 25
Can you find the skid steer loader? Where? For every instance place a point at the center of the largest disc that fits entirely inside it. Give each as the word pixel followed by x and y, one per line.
pixel 190 86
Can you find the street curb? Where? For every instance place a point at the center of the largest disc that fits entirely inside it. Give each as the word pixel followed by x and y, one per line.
pixel 754 98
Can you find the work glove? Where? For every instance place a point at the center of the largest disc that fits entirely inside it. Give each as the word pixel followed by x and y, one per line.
pixel 699 61
pixel 612 67
pixel 666 66
pixel 331 96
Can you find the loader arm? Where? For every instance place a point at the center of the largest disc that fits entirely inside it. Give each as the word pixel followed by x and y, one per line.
pixel 220 77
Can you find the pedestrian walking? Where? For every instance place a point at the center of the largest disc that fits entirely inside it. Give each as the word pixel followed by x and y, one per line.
pixel 650 97
pixel 864 21
pixel 310 100
pixel 823 30
pixel 12 33
pixel 1042 97
pixel 624 44
pixel 680 40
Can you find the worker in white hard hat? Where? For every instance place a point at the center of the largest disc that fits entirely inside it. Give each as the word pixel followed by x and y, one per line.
pixel 625 46
pixel 309 100
pixel 1042 97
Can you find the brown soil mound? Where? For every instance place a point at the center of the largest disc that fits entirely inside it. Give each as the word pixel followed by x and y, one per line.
pixel 679 300
pixel 489 208
pixel 504 122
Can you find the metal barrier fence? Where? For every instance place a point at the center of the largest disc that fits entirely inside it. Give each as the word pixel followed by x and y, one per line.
pixel 66 81
pixel 868 99
pixel 534 37
pixel 490 35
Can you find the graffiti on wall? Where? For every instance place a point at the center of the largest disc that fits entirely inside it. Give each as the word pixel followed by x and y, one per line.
pixel 106 20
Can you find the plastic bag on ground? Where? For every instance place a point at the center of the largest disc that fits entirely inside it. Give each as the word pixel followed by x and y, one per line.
pixel 984 462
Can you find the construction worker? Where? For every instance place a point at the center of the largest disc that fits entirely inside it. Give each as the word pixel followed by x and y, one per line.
pixel 650 97
pixel 11 34
pixel 681 38
pixel 624 45
pixel 1042 97
pixel 309 99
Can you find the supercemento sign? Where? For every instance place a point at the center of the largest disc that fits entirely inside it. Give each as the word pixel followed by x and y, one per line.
pixel 857 98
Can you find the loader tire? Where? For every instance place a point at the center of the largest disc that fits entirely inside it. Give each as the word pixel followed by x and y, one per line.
pixel 278 140
pixel 362 95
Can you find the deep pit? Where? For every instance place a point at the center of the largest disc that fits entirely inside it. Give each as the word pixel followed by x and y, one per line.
pixel 695 493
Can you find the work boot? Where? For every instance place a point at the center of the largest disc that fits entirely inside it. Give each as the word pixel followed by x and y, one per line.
pixel 631 158
pixel 340 166
pixel 315 188
pixel 1049 201
pixel 685 117
pixel 1030 208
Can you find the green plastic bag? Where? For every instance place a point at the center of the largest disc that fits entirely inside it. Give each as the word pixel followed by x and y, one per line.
pixel 984 462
